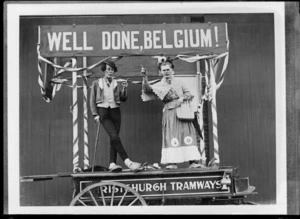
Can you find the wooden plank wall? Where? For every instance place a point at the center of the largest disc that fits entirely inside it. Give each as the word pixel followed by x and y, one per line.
pixel 246 109
pixel 246 102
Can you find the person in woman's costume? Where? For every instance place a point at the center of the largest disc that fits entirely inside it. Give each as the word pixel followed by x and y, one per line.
pixel 179 137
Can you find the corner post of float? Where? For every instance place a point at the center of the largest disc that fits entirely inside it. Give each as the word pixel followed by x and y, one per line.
pixel 86 163
pixel 200 110
pixel 199 85
pixel 75 118
pixel 216 158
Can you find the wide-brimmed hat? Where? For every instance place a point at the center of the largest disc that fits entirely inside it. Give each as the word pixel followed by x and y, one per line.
pixel 111 64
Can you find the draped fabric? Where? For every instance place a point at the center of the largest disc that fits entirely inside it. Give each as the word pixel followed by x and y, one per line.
pixel 50 80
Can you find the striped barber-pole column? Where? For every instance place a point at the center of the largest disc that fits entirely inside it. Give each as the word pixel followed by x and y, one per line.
pixel 216 158
pixel 41 78
pixel 75 119
pixel 200 113
pixel 86 162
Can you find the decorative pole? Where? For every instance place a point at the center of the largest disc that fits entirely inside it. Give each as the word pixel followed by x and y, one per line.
pixel 86 163
pixel 216 159
pixel 205 111
pixel 76 167
pixel 40 78
pixel 200 113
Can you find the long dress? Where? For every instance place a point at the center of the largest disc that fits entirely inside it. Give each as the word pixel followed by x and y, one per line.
pixel 179 142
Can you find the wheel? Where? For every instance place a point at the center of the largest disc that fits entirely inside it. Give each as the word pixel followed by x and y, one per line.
pixel 108 194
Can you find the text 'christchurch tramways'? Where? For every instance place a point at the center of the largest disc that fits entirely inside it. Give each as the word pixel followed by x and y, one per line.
pixel 166 186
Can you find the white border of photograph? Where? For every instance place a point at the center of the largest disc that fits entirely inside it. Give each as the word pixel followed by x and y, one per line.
pixel 17 9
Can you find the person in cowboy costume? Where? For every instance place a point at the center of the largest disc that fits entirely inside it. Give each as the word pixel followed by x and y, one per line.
pixel 105 99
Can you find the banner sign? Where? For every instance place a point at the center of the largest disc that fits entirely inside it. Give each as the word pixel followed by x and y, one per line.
pixel 167 186
pixel 133 39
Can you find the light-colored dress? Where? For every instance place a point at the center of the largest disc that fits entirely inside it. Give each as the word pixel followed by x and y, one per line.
pixel 179 137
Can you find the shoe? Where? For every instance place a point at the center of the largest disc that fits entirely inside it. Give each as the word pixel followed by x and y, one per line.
pixel 115 168
pixel 134 166
pixel 196 165
pixel 171 166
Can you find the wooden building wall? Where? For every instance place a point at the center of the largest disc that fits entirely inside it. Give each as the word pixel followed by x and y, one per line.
pixel 246 102
pixel 246 108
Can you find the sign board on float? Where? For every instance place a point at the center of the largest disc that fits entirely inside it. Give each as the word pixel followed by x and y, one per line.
pixel 169 186
pixel 133 39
